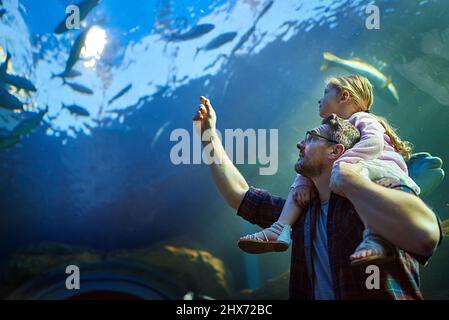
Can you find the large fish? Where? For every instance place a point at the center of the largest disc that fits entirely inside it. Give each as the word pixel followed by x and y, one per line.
pixel 85 7
pixel 29 124
pixel 120 94
pixel 78 87
pixel 195 32
pixel 428 77
pixel 20 82
pixel 218 42
pixel 426 171
pixel 77 110
pixel 356 66
pixel 9 101
pixel 75 52
pixel 66 74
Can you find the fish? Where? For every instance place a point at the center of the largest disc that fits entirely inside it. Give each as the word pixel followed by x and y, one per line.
pixel 29 124
pixel 4 67
pixel 434 43
pixel 421 74
pixel 161 90
pixel 217 42
pixel 264 11
pixel 194 296
pixel 66 74
pixel 120 94
pixel 85 7
pixel 427 171
pixel 243 39
pixel 4 132
pixel 195 32
pixel 114 127
pixel 9 101
pixel 20 82
pixel 445 227
pixel 251 30
pixel 7 142
pixel 357 66
pixel 76 110
pixel 75 51
pixel 158 134
pixel 2 13
pixel 221 56
pixel 389 94
pixel 78 87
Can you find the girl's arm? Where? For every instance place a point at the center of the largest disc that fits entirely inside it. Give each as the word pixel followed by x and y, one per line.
pixel 401 218
pixel 371 142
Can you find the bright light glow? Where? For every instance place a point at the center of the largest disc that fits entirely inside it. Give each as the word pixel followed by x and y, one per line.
pixel 96 40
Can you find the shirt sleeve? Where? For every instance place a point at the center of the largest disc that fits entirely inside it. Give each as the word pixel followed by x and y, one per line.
pixel 423 260
pixel 260 207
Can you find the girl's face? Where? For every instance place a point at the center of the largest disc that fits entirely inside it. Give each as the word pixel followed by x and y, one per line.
pixel 330 102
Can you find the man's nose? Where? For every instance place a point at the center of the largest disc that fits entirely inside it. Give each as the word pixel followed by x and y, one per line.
pixel 300 145
pixel 319 102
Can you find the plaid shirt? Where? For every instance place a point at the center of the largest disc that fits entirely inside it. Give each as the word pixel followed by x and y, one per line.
pixel 399 280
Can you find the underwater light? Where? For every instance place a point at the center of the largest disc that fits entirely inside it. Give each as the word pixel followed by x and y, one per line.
pixel 94 46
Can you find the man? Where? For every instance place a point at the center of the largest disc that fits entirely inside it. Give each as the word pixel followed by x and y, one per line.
pixel 329 231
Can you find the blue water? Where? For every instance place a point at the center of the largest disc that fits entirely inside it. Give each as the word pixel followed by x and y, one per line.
pixel 107 182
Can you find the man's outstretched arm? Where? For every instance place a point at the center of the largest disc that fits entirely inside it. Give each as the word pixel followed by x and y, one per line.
pixel 402 218
pixel 231 184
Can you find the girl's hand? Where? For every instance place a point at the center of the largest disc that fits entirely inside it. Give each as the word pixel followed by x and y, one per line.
pixel 388 182
pixel 346 176
pixel 303 194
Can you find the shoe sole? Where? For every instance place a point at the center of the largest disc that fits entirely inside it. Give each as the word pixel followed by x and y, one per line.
pixel 372 259
pixel 256 247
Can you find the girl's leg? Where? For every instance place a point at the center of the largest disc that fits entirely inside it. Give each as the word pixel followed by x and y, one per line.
pixel 278 236
pixel 291 211
pixel 279 231
pixel 373 247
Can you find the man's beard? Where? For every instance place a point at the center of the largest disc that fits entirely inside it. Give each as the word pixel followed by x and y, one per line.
pixel 306 169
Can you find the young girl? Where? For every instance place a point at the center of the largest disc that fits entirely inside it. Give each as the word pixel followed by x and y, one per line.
pixel 378 152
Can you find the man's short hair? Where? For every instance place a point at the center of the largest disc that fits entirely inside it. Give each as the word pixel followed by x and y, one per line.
pixel 342 131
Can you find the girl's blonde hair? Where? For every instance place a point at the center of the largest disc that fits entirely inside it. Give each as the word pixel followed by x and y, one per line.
pixel 361 93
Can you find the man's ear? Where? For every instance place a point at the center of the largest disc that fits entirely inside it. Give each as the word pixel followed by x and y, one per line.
pixel 337 151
